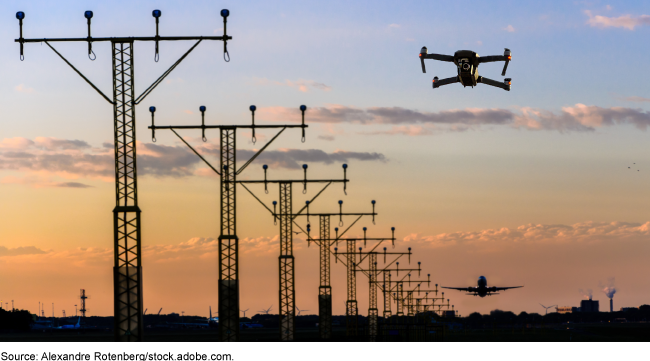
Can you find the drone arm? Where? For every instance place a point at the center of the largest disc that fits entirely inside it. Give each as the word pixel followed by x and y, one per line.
pixel 492 58
pixel 505 85
pixel 440 82
pixel 507 56
pixel 440 57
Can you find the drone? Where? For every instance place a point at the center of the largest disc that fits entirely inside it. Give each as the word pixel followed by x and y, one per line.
pixel 467 62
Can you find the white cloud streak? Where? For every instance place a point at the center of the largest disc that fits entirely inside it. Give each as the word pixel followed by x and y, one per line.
pixel 628 22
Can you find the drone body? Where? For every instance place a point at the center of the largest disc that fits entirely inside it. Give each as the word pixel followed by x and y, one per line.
pixel 467 63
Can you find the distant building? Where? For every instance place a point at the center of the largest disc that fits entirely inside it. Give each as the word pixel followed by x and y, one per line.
pixel 449 313
pixel 565 309
pixel 589 306
pixel 628 309
pixel 575 309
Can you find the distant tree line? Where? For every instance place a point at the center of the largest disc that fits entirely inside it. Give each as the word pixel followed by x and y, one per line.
pixel 18 320
pixel 499 317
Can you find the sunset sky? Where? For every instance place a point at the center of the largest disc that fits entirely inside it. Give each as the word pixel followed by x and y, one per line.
pixel 544 186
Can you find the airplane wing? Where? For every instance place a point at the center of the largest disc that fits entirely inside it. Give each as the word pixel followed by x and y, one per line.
pixel 464 289
pixel 492 289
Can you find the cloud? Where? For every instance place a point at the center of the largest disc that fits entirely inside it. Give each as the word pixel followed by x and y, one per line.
pixel 72 185
pixel 326 137
pixel 20 251
pixel 509 29
pixel 295 158
pixel 206 248
pixel 44 158
pixel 410 130
pixel 21 88
pixel 635 99
pixel 394 26
pixel 186 111
pixel 628 22
pixel 585 232
pixel 41 182
pixel 302 85
pixel 579 117
pixel 49 143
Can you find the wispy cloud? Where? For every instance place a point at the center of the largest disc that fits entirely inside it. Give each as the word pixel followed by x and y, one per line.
pixel 509 29
pixel 628 22
pixel 21 88
pixel 19 251
pixel 302 85
pixel 294 158
pixel 584 232
pixel 41 182
pixel 579 117
pixel 43 159
pixel 635 99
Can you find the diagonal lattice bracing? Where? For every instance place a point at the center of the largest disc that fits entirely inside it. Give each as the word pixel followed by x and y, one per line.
pixel 387 299
pixel 127 270
pixel 325 289
pixel 351 310
pixel 373 311
pixel 287 277
pixel 228 242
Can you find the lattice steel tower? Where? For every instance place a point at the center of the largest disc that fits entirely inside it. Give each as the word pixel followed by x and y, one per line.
pixel 83 298
pixel 325 288
pixel 228 240
pixel 127 270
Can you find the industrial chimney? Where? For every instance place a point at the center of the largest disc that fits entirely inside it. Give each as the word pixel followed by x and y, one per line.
pixel 611 305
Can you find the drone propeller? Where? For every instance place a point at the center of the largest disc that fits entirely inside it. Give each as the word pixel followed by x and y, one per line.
pixel 508 56
pixel 422 53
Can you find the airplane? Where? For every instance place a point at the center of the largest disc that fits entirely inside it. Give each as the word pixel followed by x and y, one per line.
pixel 482 290
pixel 467 62
pixel 213 321
pixel 68 327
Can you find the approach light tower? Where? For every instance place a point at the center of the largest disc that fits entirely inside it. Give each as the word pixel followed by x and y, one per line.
pixel 127 270
pixel 325 242
pixel 83 298
pixel 228 240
